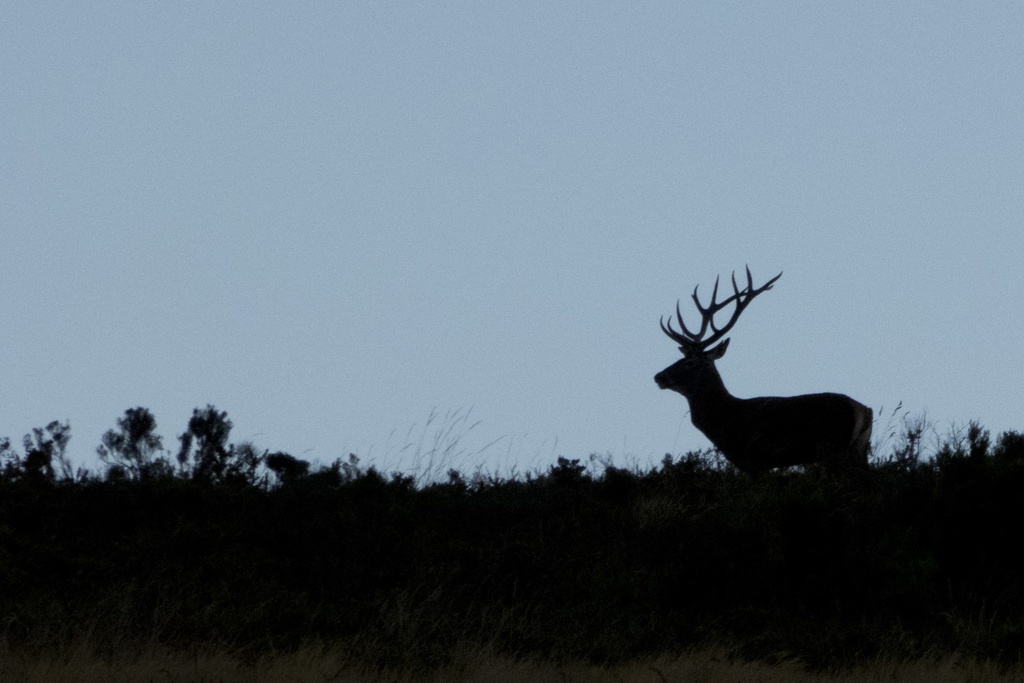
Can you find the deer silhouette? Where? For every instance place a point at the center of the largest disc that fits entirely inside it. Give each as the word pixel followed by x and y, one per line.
pixel 758 434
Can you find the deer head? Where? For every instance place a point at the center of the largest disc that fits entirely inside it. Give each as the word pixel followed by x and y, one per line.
pixel 697 366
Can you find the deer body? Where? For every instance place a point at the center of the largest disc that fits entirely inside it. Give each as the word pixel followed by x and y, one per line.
pixel 758 434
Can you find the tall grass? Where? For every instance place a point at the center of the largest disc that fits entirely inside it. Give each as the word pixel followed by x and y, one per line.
pixel 323 664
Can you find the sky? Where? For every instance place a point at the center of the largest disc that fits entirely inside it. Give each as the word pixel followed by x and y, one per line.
pixel 442 234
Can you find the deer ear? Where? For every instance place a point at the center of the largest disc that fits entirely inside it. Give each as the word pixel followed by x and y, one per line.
pixel 718 351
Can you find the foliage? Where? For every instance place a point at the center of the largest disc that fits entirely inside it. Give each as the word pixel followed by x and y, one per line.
pixel 131 450
pixel 238 547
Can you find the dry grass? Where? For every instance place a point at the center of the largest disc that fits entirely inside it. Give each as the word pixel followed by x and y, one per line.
pixel 322 664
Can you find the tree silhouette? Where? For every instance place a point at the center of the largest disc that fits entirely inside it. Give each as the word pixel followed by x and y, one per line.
pixel 130 450
pixel 206 455
pixel 206 444
pixel 42 447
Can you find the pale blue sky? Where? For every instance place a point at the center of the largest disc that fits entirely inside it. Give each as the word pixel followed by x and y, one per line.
pixel 330 219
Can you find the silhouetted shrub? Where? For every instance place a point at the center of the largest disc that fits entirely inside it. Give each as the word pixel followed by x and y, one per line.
pixel 287 468
pixel 131 451
pixel 567 473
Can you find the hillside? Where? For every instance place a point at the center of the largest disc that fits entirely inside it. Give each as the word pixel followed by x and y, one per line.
pixel 229 546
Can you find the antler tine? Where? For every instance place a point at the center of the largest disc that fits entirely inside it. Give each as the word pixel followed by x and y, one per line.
pixel 684 337
pixel 742 298
pixel 713 306
pixel 668 330
pixel 737 297
pixel 768 285
pixel 672 334
pixel 703 319
pixel 707 313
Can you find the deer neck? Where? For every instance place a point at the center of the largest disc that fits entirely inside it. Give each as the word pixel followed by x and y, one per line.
pixel 710 402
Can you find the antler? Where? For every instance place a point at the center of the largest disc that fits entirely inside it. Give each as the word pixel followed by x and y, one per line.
pixel 696 341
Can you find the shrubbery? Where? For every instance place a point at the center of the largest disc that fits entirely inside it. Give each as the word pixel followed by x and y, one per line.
pixel 226 544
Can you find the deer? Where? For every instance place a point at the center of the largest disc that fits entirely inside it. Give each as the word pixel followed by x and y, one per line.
pixel 767 432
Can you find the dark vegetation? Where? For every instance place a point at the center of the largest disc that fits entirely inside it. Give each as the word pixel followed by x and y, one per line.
pixel 228 545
